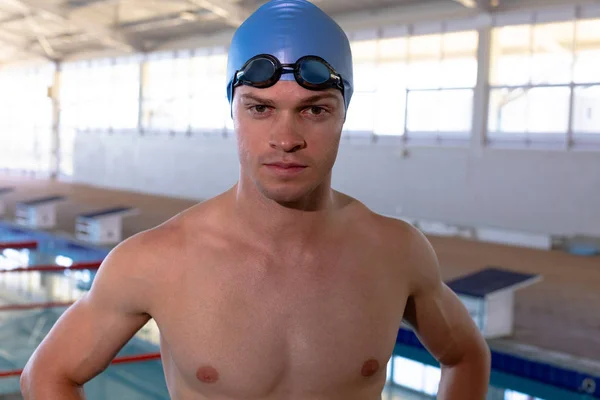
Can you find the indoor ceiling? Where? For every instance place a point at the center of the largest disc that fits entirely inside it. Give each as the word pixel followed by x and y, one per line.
pixel 54 29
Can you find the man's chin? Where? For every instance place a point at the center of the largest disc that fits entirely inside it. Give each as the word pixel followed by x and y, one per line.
pixel 287 196
pixel 283 196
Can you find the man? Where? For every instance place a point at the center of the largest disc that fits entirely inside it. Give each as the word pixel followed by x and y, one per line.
pixel 281 287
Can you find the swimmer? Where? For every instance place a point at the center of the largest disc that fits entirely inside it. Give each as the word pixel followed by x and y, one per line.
pixel 281 287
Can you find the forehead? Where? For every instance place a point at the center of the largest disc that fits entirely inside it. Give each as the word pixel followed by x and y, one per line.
pixel 289 91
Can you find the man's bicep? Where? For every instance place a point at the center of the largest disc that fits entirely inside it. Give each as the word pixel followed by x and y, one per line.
pixel 90 333
pixel 435 312
pixel 85 339
pixel 442 323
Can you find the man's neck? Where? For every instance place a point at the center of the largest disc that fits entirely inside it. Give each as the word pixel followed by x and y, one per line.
pixel 273 223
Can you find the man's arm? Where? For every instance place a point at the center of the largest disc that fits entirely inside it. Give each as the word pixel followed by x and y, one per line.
pixel 445 328
pixel 90 333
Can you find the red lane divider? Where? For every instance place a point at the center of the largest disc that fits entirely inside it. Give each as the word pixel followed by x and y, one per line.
pixel 137 358
pixel 91 265
pixel 119 360
pixel 33 306
pixel 28 244
pixel 10 374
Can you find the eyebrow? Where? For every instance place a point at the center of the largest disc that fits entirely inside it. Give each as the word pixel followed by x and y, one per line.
pixel 252 97
pixel 319 97
pixel 309 100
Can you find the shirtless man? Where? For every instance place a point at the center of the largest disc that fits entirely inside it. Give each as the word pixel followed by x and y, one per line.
pixel 281 287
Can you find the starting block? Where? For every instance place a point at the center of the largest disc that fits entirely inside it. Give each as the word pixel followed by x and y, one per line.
pixel 38 213
pixel 488 295
pixel 3 191
pixel 103 226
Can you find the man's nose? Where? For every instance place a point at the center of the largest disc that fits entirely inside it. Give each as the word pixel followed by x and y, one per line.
pixel 286 135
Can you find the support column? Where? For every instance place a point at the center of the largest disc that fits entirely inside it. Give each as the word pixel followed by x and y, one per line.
pixel 143 78
pixel 54 94
pixel 481 94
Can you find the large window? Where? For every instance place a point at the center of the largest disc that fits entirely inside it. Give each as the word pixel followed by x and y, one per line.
pixel 98 95
pixel 165 103
pixel 545 86
pixel 209 108
pixel 586 75
pixel 186 92
pixel 26 122
pixel 417 86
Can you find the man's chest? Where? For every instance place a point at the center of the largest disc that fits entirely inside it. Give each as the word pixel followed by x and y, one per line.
pixel 330 325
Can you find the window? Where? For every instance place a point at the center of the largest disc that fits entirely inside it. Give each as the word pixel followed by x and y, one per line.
pixel 552 44
pixel 587 51
pixel 209 106
pixel 159 94
pixel 186 93
pixel 97 95
pixel 442 75
pixel 124 97
pixel 26 123
pixel 390 99
pixel 459 63
pixel 586 118
pixel 452 110
pixel 361 113
pixel 539 110
pixel 534 69
pixel 415 86
pixel 101 95
pixel 586 99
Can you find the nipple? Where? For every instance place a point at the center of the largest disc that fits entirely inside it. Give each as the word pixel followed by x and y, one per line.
pixel 207 375
pixel 369 368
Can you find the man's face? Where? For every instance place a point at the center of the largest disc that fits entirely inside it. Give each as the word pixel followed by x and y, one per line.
pixel 288 138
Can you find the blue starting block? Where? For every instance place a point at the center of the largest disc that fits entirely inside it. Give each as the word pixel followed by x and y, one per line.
pixel 103 226
pixel 3 191
pixel 489 296
pixel 39 213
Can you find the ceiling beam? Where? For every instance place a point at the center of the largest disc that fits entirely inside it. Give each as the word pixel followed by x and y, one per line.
pixel 233 14
pixel 105 35
pixel 39 35
pixel 10 40
pixel 467 3
pixel 5 42
pixel 483 5
pixel 41 38
pixel 12 18
pixel 166 21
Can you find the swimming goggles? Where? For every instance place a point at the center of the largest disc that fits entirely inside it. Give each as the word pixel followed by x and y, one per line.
pixel 311 72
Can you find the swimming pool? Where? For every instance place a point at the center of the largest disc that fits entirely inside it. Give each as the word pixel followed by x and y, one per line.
pixel 412 373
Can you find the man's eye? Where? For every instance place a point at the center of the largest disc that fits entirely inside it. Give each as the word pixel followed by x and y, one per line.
pixel 316 110
pixel 260 108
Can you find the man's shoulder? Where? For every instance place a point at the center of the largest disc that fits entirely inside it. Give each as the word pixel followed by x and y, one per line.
pixel 408 249
pixel 389 230
pixel 404 238
pixel 172 236
pixel 385 229
pixel 397 227
pixel 148 263
pixel 143 252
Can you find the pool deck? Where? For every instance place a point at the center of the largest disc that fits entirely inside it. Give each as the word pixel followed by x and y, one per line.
pixel 556 320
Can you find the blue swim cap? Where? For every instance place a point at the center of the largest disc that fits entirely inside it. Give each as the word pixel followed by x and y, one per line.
pixel 288 30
